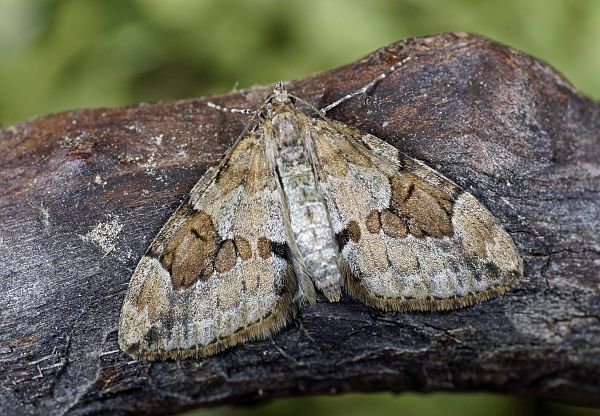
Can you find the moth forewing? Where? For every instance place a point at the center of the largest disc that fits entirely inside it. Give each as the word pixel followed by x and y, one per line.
pixel 408 237
pixel 220 271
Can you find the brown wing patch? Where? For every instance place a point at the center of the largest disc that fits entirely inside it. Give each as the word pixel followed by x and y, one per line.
pixel 427 210
pixel 264 247
pixel 190 253
pixel 354 231
pixel 352 150
pixel 243 247
pixel 268 248
pixel 392 225
pixel 247 165
pixel 150 298
pixel 338 155
pixel 226 257
pixel 233 172
pixel 373 222
pixel 334 160
pixel 254 178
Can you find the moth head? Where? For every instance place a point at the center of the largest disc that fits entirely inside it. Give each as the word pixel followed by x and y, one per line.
pixel 280 93
pixel 279 101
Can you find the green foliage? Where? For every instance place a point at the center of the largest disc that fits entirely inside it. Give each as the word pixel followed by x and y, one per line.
pixel 386 404
pixel 58 55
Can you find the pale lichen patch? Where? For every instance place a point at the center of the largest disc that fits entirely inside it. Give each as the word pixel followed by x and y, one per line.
pixel 98 180
pixel 45 216
pixel 104 235
pixel 157 140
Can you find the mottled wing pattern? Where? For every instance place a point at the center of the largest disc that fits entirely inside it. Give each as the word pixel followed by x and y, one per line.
pixel 409 239
pixel 220 271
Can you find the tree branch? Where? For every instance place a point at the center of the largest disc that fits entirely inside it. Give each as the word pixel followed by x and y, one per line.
pixel 84 192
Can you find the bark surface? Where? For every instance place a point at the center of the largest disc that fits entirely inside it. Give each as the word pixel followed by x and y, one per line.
pixel 84 192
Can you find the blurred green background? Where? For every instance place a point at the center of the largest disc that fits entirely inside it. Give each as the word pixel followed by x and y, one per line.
pixel 59 55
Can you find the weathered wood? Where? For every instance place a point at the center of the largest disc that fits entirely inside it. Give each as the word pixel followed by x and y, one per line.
pixel 84 192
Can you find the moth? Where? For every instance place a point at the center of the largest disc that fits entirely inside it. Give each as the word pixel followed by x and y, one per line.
pixel 302 202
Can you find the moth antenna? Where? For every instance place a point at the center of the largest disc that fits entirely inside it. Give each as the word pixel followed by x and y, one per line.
pixel 366 87
pixel 231 110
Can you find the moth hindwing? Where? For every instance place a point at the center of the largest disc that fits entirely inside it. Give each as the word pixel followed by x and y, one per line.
pixel 300 202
